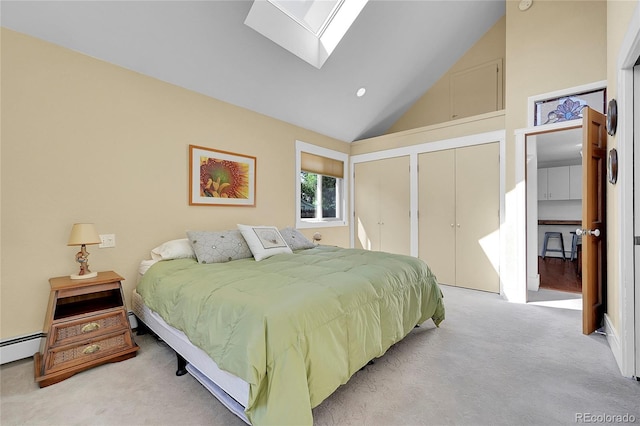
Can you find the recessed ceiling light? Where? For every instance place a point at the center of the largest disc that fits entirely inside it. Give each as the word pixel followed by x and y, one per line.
pixel 361 91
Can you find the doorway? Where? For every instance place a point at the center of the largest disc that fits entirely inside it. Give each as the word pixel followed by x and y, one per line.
pixel 554 212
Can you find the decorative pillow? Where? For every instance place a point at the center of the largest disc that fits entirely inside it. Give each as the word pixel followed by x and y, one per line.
pixel 264 241
pixel 295 239
pixel 174 249
pixel 218 246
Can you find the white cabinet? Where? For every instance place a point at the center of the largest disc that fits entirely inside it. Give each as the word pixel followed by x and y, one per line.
pixel 458 220
pixel 560 183
pixel 575 182
pixel 542 184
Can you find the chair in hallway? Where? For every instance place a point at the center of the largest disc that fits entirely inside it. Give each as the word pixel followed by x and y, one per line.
pixel 575 242
pixel 547 237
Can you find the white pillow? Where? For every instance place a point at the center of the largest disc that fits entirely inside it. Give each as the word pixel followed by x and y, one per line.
pixel 145 265
pixel 174 249
pixel 264 241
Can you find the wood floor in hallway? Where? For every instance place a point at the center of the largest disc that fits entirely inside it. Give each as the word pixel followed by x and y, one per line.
pixel 559 274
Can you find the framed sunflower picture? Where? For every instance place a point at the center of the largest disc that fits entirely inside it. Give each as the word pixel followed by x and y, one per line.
pixel 221 178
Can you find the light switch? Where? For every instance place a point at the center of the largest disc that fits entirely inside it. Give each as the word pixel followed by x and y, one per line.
pixel 108 240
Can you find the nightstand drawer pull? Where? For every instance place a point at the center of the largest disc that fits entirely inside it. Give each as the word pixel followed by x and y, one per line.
pixel 92 326
pixel 91 349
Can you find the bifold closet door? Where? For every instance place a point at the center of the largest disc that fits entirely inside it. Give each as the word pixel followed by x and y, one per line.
pixel 367 199
pixel 382 205
pixel 459 217
pixel 437 213
pixel 478 217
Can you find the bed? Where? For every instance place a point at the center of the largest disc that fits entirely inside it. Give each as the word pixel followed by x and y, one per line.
pixel 273 338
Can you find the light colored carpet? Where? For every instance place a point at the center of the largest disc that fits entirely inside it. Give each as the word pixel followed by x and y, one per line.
pixel 490 363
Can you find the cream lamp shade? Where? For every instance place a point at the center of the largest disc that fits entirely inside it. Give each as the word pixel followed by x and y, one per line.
pixel 81 235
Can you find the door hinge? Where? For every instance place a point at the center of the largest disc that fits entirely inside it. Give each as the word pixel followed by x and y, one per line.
pixel 636 241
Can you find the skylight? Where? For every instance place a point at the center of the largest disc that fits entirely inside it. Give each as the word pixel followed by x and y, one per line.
pixel 311 14
pixel 310 29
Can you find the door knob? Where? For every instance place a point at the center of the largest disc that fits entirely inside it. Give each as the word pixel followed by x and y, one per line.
pixel 594 232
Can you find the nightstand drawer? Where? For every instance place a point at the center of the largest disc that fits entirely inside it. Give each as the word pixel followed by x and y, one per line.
pixel 88 327
pixel 68 356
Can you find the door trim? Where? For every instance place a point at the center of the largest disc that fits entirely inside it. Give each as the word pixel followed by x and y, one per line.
pixel 518 207
pixel 624 344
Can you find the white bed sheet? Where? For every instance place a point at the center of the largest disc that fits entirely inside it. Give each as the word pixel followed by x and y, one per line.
pixel 232 391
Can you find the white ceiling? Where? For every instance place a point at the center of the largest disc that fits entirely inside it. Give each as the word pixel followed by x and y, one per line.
pixel 559 148
pixel 396 49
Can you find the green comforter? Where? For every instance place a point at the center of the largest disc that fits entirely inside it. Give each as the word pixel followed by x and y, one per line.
pixel 294 326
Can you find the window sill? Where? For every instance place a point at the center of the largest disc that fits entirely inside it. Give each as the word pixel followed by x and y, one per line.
pixel 302 224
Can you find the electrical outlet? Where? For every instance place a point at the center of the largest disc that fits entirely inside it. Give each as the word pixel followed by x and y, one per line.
pixel 108 240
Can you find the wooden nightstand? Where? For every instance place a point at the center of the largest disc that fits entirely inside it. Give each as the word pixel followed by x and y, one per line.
pixel 87 325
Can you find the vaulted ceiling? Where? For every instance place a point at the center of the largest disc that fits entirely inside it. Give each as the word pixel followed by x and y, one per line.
pixel 395 49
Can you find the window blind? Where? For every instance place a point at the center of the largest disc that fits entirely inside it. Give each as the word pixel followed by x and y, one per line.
pixel 321 165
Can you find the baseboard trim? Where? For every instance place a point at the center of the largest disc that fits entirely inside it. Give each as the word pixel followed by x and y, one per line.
pixel 533 282
pixel 23 347
pixel 20 347
pixel 613 340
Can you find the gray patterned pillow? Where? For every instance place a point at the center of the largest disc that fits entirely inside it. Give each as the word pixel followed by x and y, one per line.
pixel 218 246
pixel 295 239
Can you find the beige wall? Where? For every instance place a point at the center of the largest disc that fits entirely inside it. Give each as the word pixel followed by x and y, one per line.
pixel 552 46
pixel 84 140
pixel 542 59
pixel 453 129
pixel 435 105
pixel 619 15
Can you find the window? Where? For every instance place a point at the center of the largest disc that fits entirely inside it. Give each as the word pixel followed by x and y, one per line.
pixel 320 186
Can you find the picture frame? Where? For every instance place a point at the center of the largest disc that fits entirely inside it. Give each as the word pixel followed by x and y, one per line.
pixel 221 178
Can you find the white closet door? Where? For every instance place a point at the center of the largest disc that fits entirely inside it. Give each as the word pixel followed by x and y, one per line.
pixel 382 205
pixel 478 217
pixel 367 213
pixel 437 214
pixel 394 205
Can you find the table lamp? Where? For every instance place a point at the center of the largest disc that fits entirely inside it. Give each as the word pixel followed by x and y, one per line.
pixel 81 235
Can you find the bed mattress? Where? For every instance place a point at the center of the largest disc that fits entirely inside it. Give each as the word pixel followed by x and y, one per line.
pixel 232 391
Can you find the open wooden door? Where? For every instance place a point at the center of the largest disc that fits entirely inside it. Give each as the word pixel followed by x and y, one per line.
pixel 594 171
